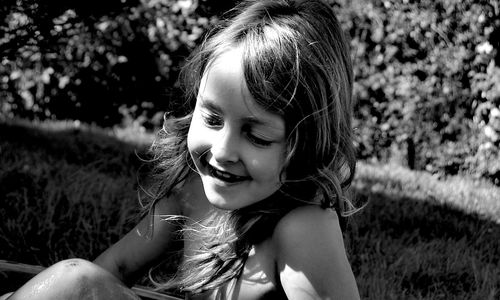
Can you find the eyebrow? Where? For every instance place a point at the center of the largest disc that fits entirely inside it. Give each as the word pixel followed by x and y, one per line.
pixel 255 121
pixel 210 106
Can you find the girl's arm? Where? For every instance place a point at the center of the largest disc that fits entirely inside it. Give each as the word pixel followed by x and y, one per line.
pixel 133 255
pixel 311 257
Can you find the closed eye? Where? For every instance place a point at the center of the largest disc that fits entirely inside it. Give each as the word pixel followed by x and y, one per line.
pixel 212 120
pixel 258 141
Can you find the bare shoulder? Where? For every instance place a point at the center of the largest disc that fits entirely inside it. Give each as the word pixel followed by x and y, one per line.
pixel 307 222
pixel 310 255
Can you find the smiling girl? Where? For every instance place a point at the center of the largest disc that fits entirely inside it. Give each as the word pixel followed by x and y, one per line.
pixel 238 147
pixel 254 180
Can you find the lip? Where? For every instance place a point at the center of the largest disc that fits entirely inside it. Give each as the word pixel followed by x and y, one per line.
pixel 225 177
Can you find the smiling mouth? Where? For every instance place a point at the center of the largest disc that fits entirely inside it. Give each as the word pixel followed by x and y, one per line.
pixel 225 176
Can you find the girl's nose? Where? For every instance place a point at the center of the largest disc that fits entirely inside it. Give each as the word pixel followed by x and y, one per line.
pixel 225 147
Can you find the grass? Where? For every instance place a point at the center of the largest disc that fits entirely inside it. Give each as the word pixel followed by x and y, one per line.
pixel 424 238
pixel 66 192
pixel 69 190
pixel 472 196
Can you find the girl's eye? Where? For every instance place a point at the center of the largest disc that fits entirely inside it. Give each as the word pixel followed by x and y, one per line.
pixel 258 141
pixel 212 120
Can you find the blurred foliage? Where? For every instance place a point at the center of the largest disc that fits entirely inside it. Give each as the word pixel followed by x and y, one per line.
pixel 427 72
pixel 96 61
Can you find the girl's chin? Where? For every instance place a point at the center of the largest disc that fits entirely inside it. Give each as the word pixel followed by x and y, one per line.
pixel 225 202
pixel 221 204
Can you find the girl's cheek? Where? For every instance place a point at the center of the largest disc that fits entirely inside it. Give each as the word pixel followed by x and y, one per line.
pixel 264 165
pixel 254 163
pixel 198 137
pixel 193 137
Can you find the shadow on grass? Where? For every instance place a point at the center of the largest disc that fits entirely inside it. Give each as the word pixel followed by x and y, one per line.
pixel 420 250
pixel 75 145
pixel 64 192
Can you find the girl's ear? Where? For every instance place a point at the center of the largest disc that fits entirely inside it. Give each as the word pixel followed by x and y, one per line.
pixel 283 173
pixel 283 176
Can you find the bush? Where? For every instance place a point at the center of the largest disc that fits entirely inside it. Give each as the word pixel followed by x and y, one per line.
pixel 427 82
pixel 64 61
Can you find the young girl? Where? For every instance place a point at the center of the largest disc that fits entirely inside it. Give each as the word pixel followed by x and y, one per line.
pixel 253 181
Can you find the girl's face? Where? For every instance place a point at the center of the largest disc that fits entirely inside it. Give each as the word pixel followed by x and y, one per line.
pixel 238 147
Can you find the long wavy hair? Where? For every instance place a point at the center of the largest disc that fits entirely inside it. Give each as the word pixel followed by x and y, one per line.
pixel 296 64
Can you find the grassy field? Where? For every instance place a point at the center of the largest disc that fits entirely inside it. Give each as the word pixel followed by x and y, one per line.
pixel 68 190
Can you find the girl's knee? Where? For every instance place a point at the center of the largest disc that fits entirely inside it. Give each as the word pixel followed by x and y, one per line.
pixel 76 272
pixel 5 296
pixel 74 279
pixel 77 268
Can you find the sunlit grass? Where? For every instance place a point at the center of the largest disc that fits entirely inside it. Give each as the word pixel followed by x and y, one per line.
pixel 405 248
pixel 69 190
pixel 470 195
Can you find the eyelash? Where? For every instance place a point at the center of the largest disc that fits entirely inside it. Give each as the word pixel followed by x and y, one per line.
pixel 212 120
pixel 258 141
pixel 215 121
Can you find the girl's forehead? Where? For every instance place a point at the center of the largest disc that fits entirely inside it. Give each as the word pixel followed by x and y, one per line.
pixel 228 59
pixel 223 88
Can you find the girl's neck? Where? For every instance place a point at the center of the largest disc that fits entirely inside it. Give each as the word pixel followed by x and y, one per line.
pixel 194 204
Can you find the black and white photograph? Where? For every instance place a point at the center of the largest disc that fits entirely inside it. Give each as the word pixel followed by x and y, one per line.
pixel 250 149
